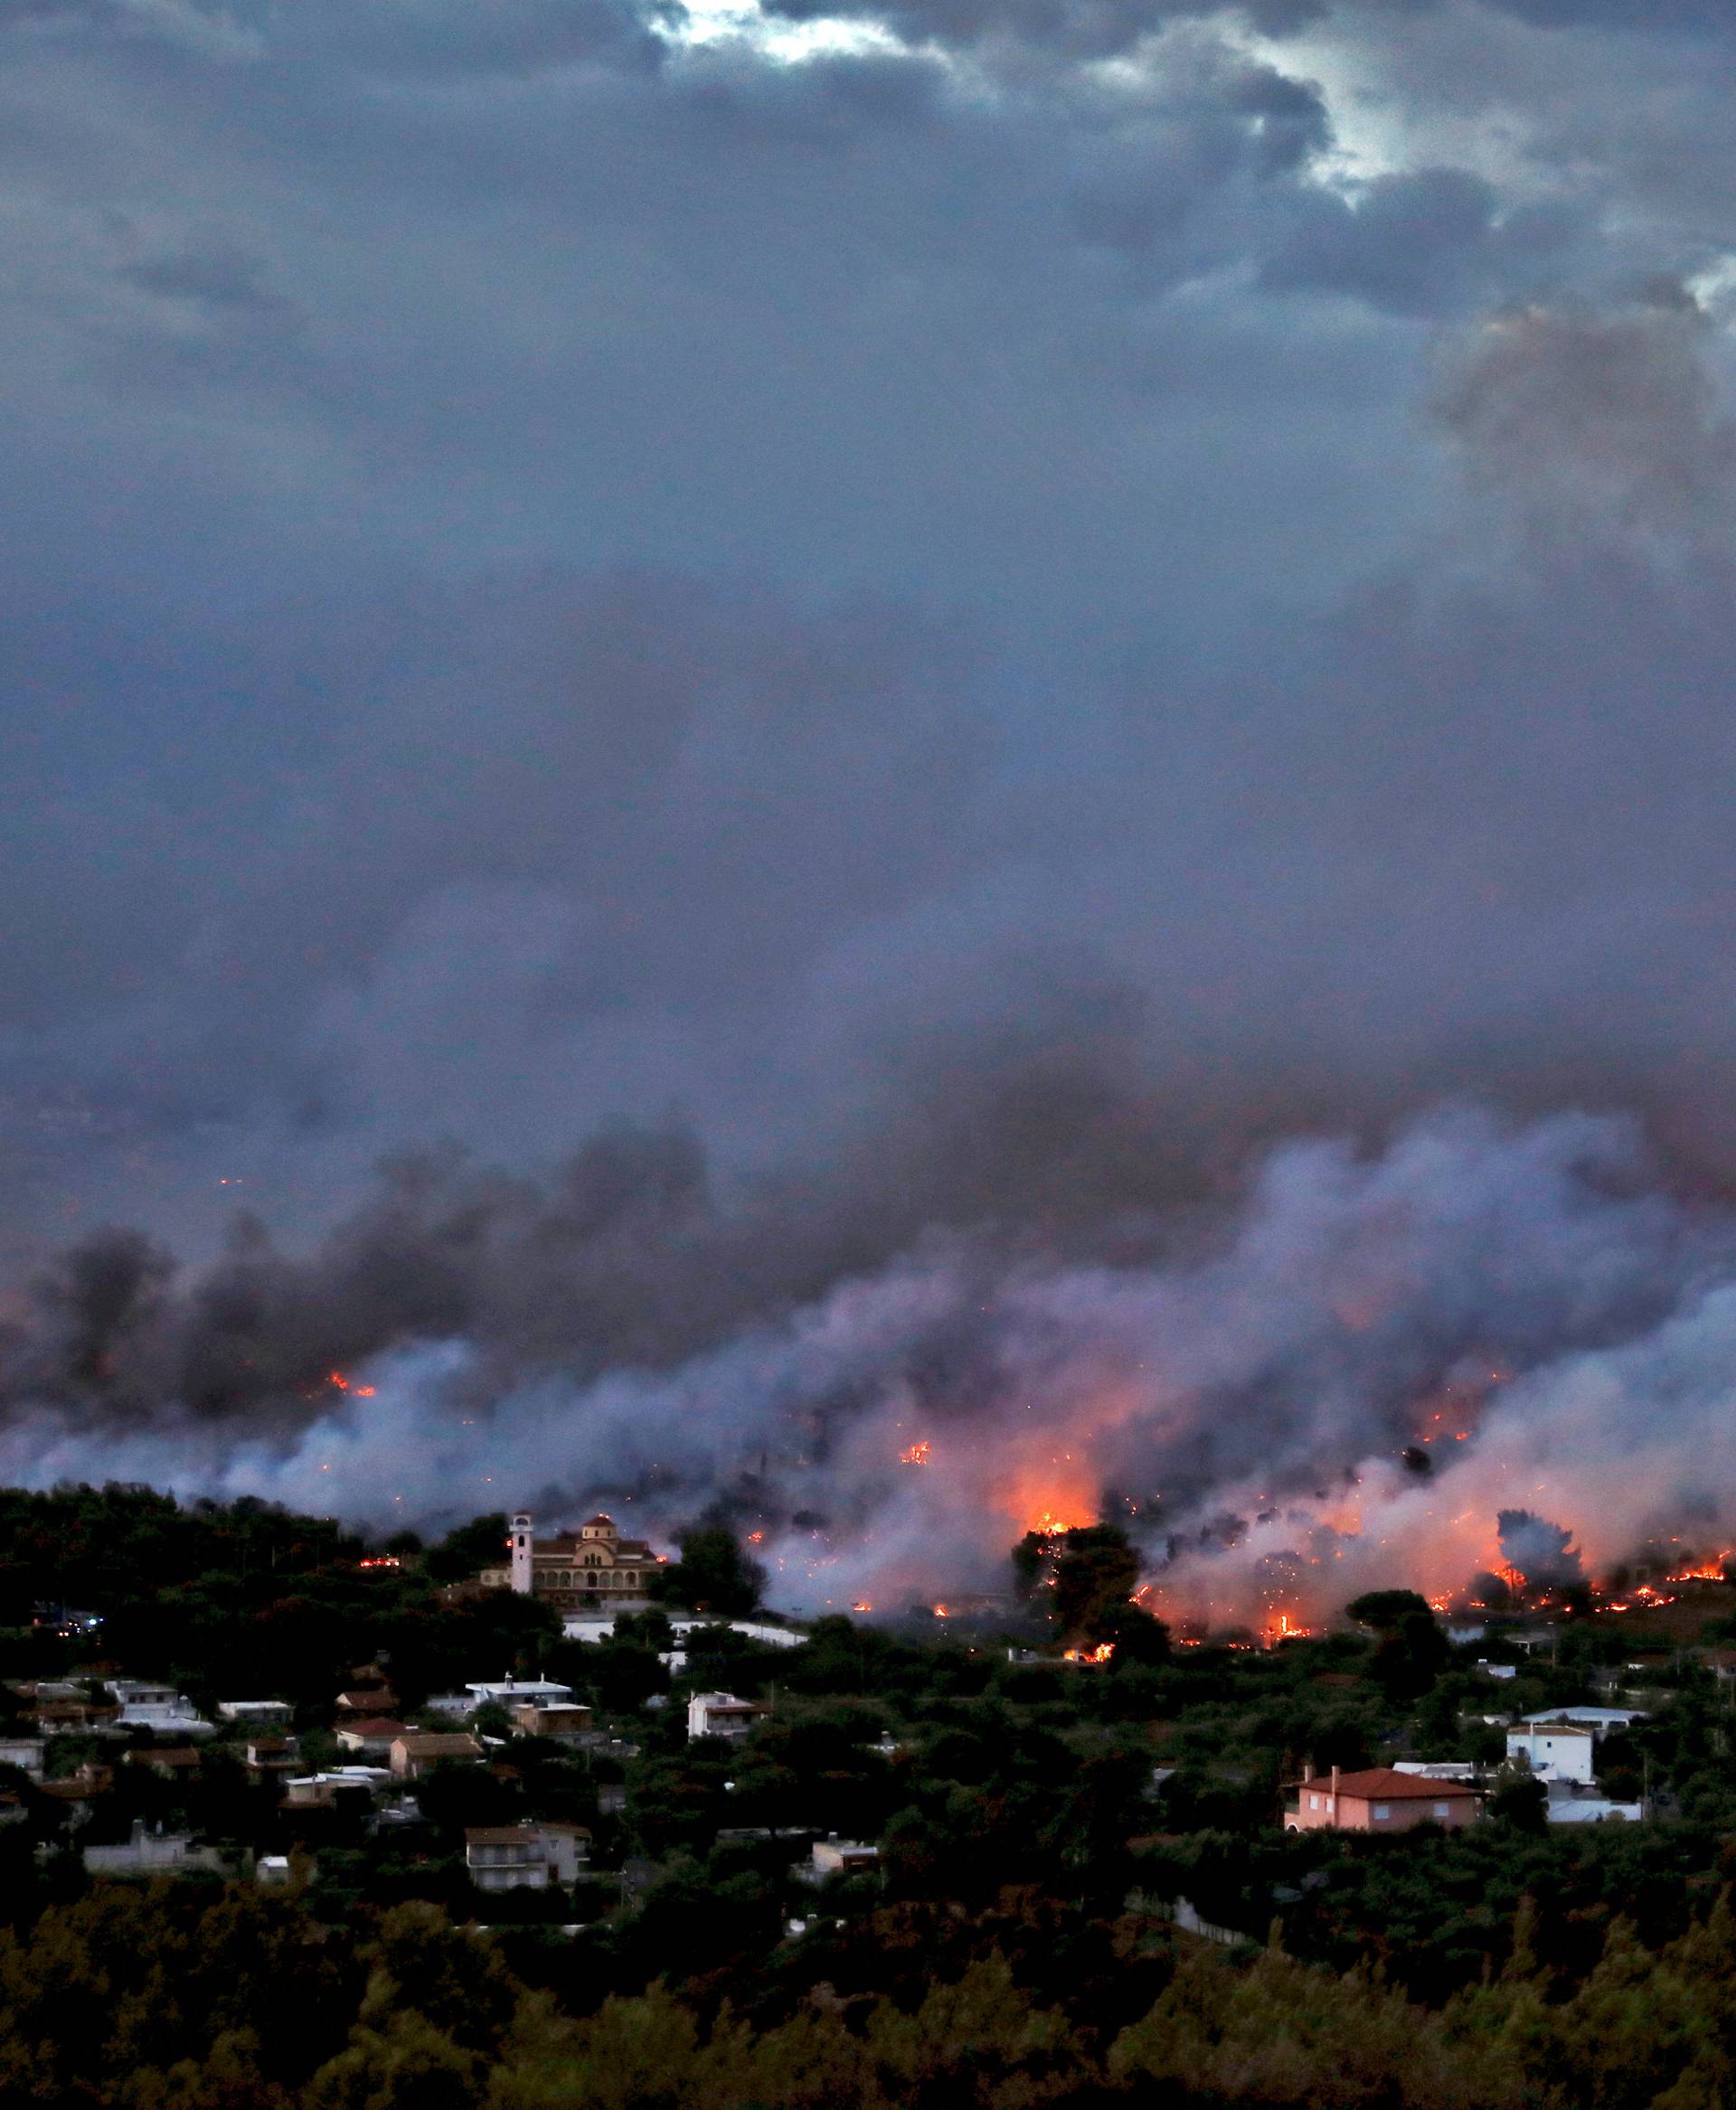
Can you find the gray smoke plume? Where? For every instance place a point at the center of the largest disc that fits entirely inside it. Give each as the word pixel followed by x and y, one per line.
pixel 1097 1169
pixel 1544 1553
pixel 1525 1305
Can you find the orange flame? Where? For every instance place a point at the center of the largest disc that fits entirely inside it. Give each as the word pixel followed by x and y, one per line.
pixel 1051 1523
pixel 917 1454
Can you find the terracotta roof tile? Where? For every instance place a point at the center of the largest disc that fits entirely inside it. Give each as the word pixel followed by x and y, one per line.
pixel 1380 1784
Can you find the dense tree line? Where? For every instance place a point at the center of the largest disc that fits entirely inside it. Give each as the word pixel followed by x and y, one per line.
pixel 190 1997
pixel 228 1600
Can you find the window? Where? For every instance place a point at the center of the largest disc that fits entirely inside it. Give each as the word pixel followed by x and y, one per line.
pixel 1443 1809
pixel 1381 1811
pixel 1314 1802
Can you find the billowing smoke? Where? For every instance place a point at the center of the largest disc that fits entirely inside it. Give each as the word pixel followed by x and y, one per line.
pixel 1013 637
pixel 1524 1308
pixel 1544 1553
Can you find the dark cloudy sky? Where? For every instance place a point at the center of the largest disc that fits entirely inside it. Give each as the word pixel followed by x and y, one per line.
pixel 979 600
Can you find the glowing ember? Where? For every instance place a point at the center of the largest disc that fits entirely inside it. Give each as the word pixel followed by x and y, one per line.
pixel 862 1605
pixel 940 1611
pixel 917 1454
pixel 1052 1523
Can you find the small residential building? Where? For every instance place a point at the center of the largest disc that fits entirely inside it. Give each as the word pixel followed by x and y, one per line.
pixel 568 1848
pixel 149 1706
pixel 78 1794
pixel 841 1857
pixel 272 1869
pixel 256 1714
pixel 1587 1807
pixel 373 1734
pixel 367 1692
pixel 270 1757
pixel 518 1692
pixel 559 1722
pixel 1490 1669
pixel 354 1705
pixel 402 1815
pixel 152 1854
pixel 168 1761
pixel 508 1857
pixel 1381 1799
pixel 722 1714
pixel 67 1712
pixel 416 1751
pixel 24 1752
pixel 1601 1721
pixel 351 1786
pixel 142 1701
pixel 1555 1750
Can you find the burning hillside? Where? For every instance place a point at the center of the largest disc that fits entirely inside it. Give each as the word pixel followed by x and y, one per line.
pixel 1378 1370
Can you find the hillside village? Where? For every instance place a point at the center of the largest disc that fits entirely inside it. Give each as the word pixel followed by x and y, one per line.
pixel 687 1788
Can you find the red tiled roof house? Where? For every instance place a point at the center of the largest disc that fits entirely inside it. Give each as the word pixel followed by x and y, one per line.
pixel 1379 1799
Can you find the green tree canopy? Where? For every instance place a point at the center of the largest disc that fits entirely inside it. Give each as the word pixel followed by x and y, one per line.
pixel 1080 1580
pixel 469 1548
pixel 714 1575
